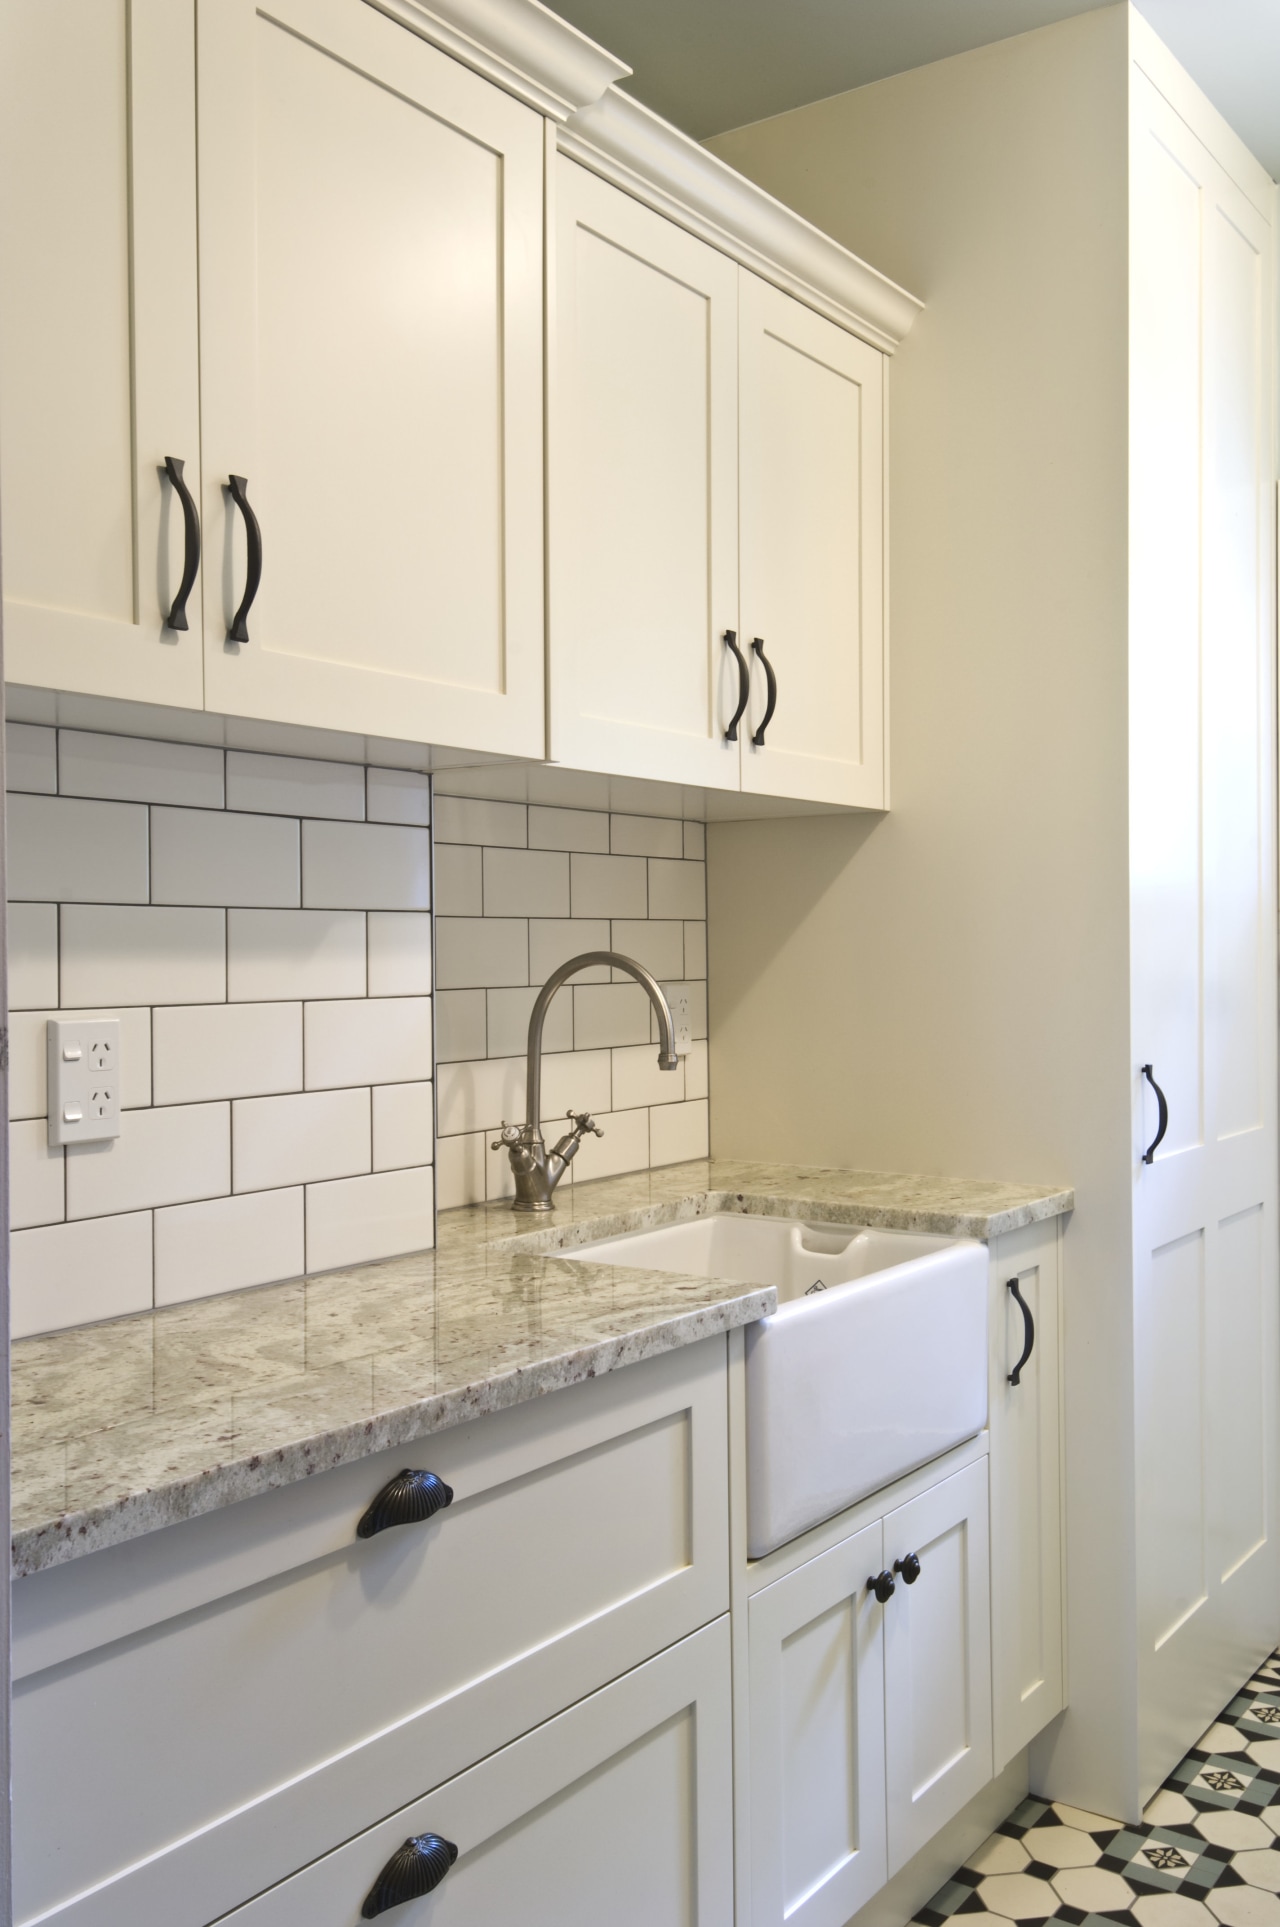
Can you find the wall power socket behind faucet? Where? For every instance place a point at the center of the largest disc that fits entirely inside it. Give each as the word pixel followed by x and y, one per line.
pixel 84 1079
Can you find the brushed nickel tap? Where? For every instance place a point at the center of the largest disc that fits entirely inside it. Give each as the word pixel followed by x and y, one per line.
pixel 537 1170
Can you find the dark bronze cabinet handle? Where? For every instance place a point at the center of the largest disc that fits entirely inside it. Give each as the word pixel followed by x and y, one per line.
pixel 239 630
pixel 1028 1332
pixel 406 1500
pixel 1162 1125
pixel 744 685
pixel 909 1568
pixel 881 1584
pixel 772 704
pixel 414 1869
pixel 177 616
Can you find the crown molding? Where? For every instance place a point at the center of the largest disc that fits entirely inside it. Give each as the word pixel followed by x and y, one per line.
pixel 522 46
pixel 637 150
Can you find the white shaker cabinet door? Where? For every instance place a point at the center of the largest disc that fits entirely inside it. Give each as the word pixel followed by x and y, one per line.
pixel 812 534
pixel 371 365
pixel 643 475
pixel 937 1659
pixel 99 376
pixel 817 1739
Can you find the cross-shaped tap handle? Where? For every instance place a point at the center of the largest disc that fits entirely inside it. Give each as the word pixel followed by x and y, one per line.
pixel 583 1122
pixel 511 1134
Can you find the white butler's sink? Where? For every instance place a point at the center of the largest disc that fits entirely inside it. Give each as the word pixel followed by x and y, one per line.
pixel 874 1362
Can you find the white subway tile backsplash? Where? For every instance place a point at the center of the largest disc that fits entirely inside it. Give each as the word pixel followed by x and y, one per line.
pixel 459 880
pixel 678 1132
pixel 646 836
pixel 365 866
pixel 695 841
pixel 363 1219
pixel 460 1025
pixel 296 1140
pixel 553 942
pixel 226 1244
pixel 576 1080
pixel 30 758
pixel 28 1058
pixel 526 883
pixel 122 954
pixel 73 1274
pixel 508 1021
pixel 461 819
pixel 695 950
pixel 63 849
pixel 605 1014
pixel 397 796
pixel 223 856
pixel 609 886
pixel 638 1080
pixel 135 769
pixel 399 953
pixel 209 1051
pixel 367 1040
pixel 403 1126
pixel 475 952
pixel 479 1096
pixel 460 1170
pixel 624 1146
pixel 294 786
pixel 36 1194
pixel 164 1156
pixel 677 889
pixel 658 946
pixel 551 829
pixel 293 954
pixel 33 955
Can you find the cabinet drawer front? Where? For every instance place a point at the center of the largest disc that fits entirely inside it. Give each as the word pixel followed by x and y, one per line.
pixel 817 1739
pixel 230 1744
pixel 620 1810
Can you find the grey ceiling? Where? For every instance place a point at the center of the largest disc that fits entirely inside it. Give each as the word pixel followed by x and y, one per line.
pixel 713 64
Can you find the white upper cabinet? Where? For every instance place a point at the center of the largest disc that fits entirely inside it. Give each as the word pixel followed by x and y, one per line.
pixel 371 222
pixel 99 377
pixel 643 473
pixel 811 520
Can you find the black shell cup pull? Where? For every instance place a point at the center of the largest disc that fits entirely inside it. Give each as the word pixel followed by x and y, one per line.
pixel 414 1869
pixel 239 491
pixel 406 1500
pixel 177 616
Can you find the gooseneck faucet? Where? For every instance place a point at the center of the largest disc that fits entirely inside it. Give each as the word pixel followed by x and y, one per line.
pixel 537 1170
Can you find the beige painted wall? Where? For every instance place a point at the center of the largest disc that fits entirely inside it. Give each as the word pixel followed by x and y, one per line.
pixel 945 988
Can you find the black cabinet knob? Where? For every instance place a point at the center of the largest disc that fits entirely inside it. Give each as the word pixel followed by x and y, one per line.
pixel 406 1500
pixel 414 1869
pixel 881 1584
pixel 909 1568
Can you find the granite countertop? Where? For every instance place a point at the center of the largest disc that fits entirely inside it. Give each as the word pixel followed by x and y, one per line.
pixel 137 1423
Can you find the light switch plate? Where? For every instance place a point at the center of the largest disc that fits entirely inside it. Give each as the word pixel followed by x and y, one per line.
pixel 84 1079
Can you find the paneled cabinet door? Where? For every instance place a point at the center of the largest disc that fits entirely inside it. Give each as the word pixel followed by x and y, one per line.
pixel 371 220
pixel 1026 1494
pixel 937 1660
pixel 811 422
pixel 817 1739
pixel 99 375
pixel 643 474
pixel 618 1810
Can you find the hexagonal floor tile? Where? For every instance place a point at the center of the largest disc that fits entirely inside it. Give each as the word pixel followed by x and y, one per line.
pixel 1020 1896
pixel 1244 1906
pixel 1169 1809
pixel 1171 1910
pixel 1221 1738
pixel 1093 1890
pixel 1000 1854
pixel 1228 1828
pixel 1062 1846
pixel 1265 1752
pixel 1259 1869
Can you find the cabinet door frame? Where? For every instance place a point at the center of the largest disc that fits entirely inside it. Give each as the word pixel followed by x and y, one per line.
pixel 140 659
pixel 776 1613
pixel 915 1816
pixel 580 200
pixel 860 777
pixel 257 679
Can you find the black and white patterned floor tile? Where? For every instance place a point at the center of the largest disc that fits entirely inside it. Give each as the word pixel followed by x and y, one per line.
pixel 1206 1855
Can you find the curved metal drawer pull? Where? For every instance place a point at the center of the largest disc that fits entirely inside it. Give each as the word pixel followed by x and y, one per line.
pixel 239 630
pixel 177 616
pixel 772 704
pixel 406 1500
pixel 414 1869
pixel 1028 1332
pixel 744 685
pixel 1148 1156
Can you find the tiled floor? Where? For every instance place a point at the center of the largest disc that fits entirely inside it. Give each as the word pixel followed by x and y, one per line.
pixel 1206 1852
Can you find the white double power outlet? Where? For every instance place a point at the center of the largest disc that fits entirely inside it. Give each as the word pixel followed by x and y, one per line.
pixel 84 1079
